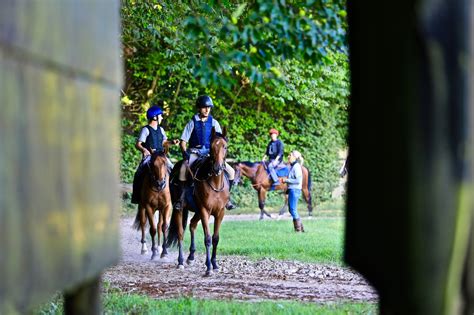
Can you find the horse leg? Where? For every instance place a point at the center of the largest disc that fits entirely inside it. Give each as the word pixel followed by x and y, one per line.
pixel 309 200
pixel 158 229
pixel 151 220
pixel 284 207
pixel 207 240
pixel 164 218
pixel 215 238
pixel 262 194
pixel 178 222
pixel 141 209
pixel 192 228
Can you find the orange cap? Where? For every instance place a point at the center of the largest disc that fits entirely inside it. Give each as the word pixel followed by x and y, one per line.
pixel 273 130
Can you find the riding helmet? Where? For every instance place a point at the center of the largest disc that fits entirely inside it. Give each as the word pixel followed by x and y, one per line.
pixel 204 101
pixel 153 111
pixel 273 130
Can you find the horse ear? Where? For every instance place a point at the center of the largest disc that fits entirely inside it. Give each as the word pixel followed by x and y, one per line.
pixel 213 132
pixel 224 132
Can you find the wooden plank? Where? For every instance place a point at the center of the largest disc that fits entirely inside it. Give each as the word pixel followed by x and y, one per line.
pixel 409 213
pixel 60 142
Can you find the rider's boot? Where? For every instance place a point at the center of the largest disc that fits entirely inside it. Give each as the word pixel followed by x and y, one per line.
pixel 181 192
pixel 298 225
pixel 230 205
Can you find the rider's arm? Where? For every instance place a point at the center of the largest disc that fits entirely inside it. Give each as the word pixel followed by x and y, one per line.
pixel 281 148
pixel 141 139
pixel 141 148
pixel 183 145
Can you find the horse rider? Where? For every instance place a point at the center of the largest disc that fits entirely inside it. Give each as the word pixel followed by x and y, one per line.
pixel 152 138
pixel 275 151
pixel 197 133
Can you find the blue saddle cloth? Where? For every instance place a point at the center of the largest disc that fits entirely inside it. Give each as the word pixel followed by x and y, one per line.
pixel 282 171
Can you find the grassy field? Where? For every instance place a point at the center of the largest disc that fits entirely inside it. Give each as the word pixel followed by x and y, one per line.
pixel 116 302
pixel 322 242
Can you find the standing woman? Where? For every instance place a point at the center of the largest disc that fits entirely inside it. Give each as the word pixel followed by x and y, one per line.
pixel 295 181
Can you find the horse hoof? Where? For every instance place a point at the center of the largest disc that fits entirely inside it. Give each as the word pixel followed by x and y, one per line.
pixel 190 261
pixel 261 218
pixel 181 267
pixel 208 273
pixel 144 251
pixel 164 255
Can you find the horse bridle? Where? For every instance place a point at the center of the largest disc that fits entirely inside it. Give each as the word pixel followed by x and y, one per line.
pixel 157 184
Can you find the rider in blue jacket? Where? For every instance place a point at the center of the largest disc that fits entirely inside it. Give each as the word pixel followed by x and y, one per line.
pixel 152 138
pixel 275 151
pixel 197 133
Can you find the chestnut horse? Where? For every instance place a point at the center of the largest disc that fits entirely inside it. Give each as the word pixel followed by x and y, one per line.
pixel 211 194
pixel 155 195
pixel 261 182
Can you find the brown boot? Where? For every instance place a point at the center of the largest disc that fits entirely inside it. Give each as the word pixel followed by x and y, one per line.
pixel 300 225
pixel 295 225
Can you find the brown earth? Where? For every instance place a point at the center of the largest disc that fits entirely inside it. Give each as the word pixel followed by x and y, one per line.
pixel 238 278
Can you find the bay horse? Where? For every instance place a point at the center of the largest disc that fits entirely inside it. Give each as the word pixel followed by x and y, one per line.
pixel 262 183
pixel 155 195
pixel 211 194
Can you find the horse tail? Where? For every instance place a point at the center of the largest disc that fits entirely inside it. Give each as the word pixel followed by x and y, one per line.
pixel 173 230
pixel 310 183
pixel 137 223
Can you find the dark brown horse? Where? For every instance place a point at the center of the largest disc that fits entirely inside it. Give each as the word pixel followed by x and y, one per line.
pixel 155 195
pixel 211 194
pixel 262 183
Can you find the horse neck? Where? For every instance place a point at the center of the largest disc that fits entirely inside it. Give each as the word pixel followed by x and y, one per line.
pixel 248 171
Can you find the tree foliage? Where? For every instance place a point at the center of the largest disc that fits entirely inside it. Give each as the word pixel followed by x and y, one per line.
pixel 265 63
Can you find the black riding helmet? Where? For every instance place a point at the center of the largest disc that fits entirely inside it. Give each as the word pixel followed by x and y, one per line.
pixel 204 101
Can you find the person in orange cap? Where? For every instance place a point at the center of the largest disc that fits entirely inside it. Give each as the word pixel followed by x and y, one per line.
pixel 274 152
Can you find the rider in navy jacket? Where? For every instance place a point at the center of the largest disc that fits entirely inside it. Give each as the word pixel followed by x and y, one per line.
pixel 197 133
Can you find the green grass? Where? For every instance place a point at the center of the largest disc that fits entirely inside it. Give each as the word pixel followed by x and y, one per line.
pixel 116 302
pixel 322 242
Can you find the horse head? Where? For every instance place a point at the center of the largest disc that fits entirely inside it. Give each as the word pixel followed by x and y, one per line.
pixel 158 171
pixel 218 151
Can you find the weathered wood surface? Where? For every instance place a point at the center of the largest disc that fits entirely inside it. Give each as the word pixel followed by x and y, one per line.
pixel 411 75
pixel 59 146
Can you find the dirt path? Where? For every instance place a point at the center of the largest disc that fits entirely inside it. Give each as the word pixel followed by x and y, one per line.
pixel 238 278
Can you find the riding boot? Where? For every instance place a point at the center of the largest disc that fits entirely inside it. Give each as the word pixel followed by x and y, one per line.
pixel 230 205
pixel 295 224
pixel 298 225
pixel 181 192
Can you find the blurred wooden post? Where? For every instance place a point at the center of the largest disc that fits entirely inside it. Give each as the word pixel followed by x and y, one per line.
pixel 409 213
pixel 59 150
